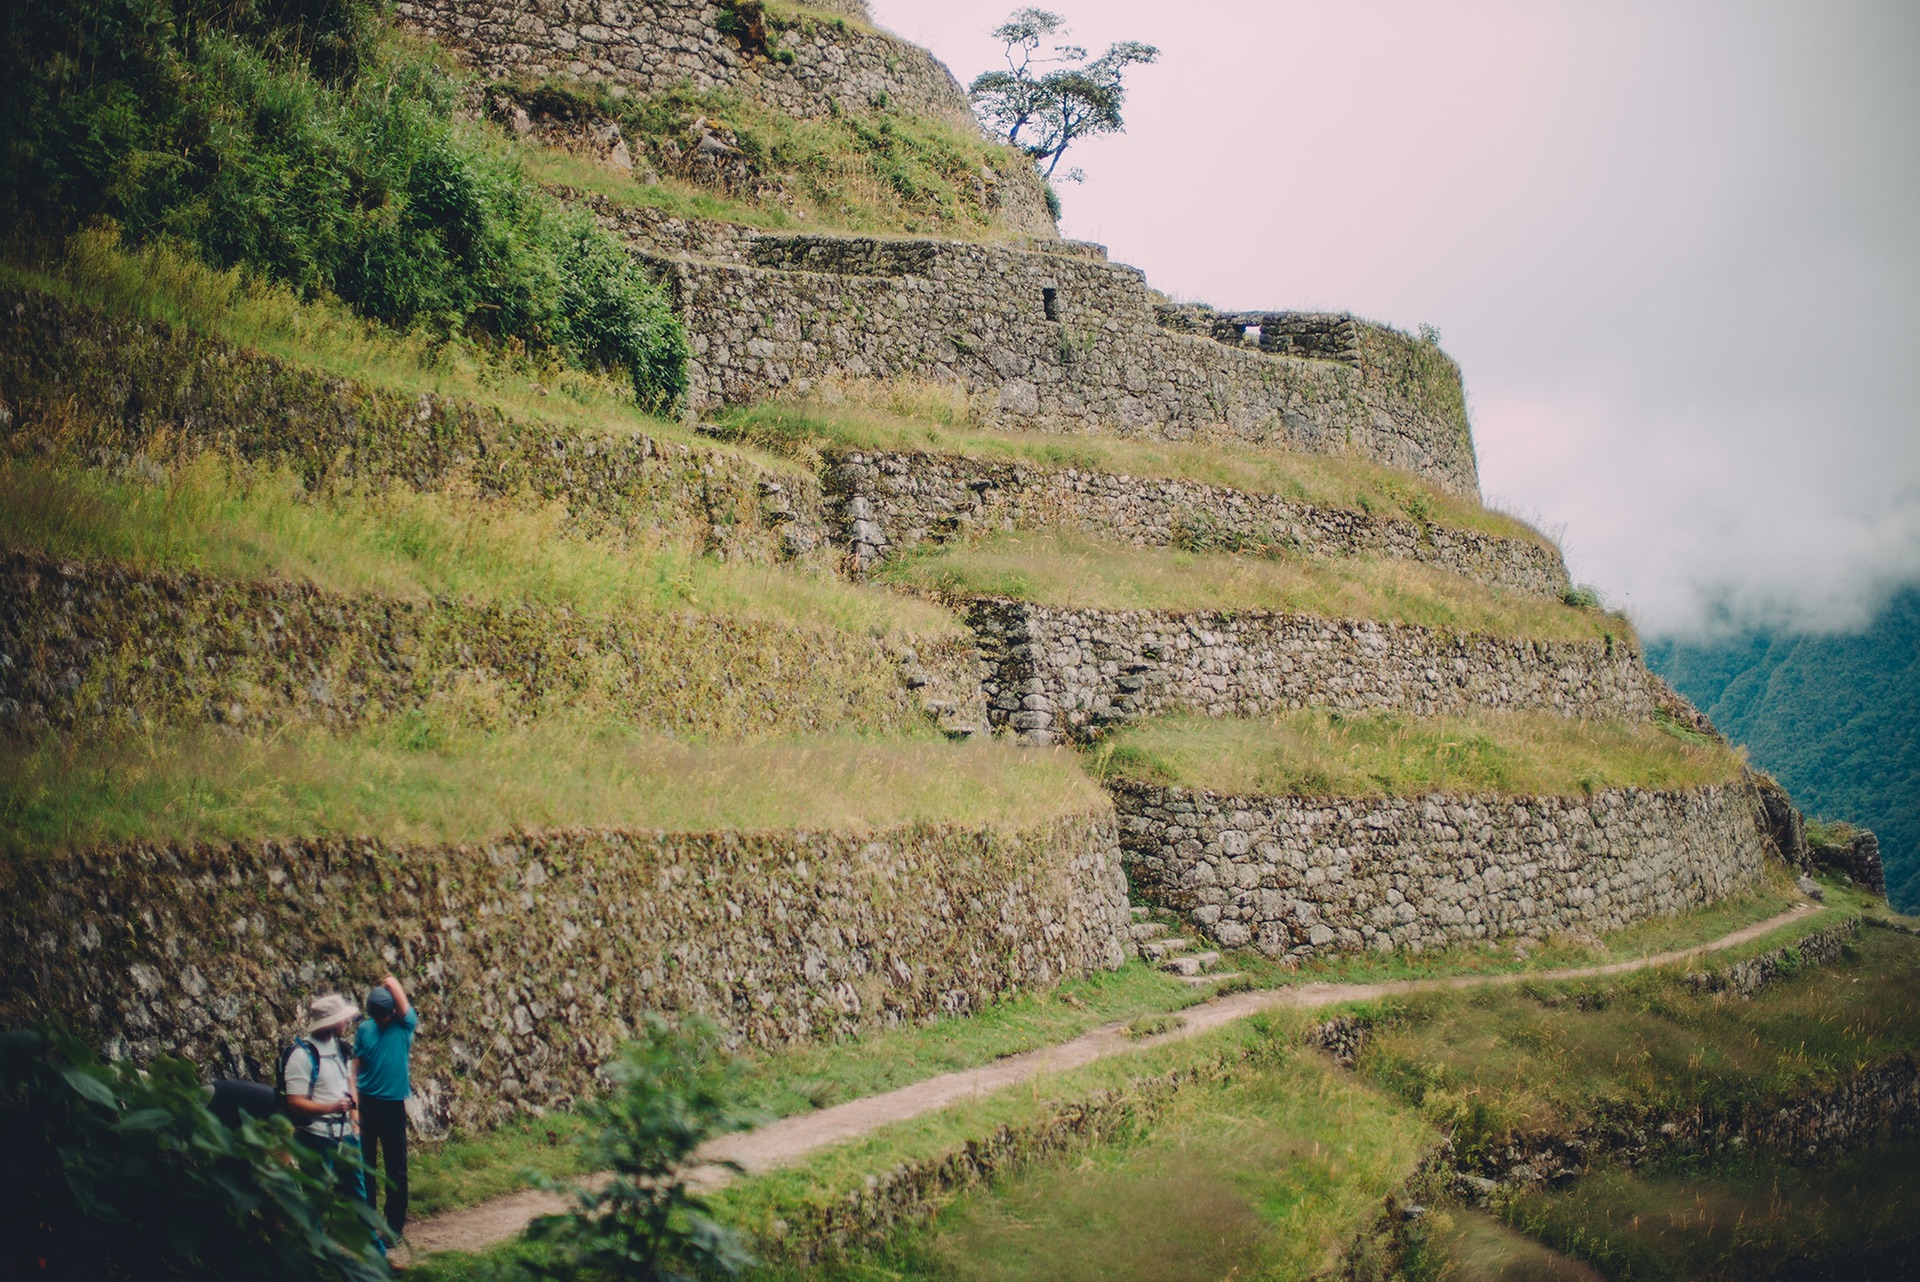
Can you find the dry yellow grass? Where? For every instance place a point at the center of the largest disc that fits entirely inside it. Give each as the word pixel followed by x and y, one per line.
pixel 1067 570
pixel 223 518
pixel 470 786
pixel 1316 753
pixel 910 414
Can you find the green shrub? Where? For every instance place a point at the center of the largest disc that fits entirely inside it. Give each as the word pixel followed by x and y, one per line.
pixel 672 1092
pixel 293 140
pixel 115 1173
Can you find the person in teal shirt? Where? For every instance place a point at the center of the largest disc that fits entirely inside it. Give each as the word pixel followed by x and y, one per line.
pixel 383 1049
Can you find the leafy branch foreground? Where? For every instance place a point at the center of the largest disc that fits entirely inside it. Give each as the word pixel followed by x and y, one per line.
pixel 672 1092
pixel 115 1173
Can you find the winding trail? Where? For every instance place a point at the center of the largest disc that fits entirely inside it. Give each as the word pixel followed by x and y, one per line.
pixel 786 1141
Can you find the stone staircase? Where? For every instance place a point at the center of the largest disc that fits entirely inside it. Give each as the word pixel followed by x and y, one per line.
pixel 1157 945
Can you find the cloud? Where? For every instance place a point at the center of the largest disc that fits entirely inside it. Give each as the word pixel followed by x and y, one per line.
pixel 1670 243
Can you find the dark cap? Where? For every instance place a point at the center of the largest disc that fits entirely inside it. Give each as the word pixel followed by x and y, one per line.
pixel 380 1001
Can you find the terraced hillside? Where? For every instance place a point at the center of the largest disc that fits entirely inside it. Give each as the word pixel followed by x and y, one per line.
pixel 974 653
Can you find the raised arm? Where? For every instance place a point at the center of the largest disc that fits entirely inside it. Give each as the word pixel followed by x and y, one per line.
pixel 401 1006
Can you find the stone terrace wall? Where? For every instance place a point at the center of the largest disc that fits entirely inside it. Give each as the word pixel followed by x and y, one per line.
pixel 885 502
pixel 1055 342
pixel 90 647
pixel 1301 877
pixel 532 957
pixel 107 389
pixel 1059 674
pixel 651 46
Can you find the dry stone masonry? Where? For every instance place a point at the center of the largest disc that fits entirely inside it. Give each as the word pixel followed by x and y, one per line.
pixel 1052 335
pixel 1303 877
pixel 533 957
pixel 110 390
pixel 93 649
pixel 807 67
pixel 884 502
pixel 1057 674
pixel 1057 341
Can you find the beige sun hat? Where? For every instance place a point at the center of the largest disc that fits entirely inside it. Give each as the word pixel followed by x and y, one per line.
pixel 329 1010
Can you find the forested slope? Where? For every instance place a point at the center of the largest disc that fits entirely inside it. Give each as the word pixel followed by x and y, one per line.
pixel 1835 718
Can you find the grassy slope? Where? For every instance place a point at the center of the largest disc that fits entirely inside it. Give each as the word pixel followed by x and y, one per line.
pixel 1269 1173
pixel 1741 1219
pixel 238 522
pixel 1065 570
pixel 163 284
pixel 412 781
pixel 1501 1062
pixel 1315 754
pixel 794 1080
pixel 912 417
pixel 871 172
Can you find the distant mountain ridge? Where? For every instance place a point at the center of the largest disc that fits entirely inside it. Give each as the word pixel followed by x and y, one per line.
pixel 1835 718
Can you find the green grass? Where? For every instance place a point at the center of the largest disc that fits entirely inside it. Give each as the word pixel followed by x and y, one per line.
pixel 1146 1001
pixel 864 171
pixel 803 1078
pixel 1456 1245
pixel 1067 570
pixel 235 521
pixel 163 283
pixel 910 416
pixel 1742 1219
pixel 1329 754
pixel 1551 1060
pixel 463 785
pixel 1268 1173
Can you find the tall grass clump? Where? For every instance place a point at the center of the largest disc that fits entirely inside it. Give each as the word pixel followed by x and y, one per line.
pixel 298 139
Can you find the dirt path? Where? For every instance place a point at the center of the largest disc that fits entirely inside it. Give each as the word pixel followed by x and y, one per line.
pixel 786 1141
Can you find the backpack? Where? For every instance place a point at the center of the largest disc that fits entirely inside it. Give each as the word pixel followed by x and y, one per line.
pixel 280 1073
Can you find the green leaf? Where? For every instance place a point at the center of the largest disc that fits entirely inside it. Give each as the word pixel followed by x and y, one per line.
pixel 91 1086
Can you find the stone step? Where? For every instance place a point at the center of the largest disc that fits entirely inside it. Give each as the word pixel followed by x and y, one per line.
pixel 1191 963
pixel 1145 930
pixel 1160 949
pixel 1215 977
pixel 1139 912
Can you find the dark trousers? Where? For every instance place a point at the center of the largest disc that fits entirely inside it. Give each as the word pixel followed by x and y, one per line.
pixel 383 1133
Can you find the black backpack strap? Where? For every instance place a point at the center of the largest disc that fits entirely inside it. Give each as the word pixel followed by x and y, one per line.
pixel 313 1065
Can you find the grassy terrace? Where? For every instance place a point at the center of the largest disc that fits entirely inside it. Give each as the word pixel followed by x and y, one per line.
pixel 1314 753
pixel 1070 571
pixel 907 416
pixel 1741 1219
pixel 235 521
pixel 868 173
pixel 163 284
pixel 414 781
pixel 1536 1060
pixel 795 1080
pixel 1267 1169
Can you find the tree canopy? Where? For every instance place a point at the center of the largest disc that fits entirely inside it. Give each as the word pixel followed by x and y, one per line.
pixel 1056 98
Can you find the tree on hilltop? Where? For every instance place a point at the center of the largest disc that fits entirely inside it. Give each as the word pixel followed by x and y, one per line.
pixel 1073 99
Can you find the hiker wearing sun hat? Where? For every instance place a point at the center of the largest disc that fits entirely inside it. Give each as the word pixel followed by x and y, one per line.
pixel 316 1082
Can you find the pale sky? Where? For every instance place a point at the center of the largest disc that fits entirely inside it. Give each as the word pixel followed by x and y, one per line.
pixel 1675 246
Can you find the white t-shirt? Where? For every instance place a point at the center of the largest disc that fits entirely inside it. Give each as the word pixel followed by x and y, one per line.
pixel 330 1085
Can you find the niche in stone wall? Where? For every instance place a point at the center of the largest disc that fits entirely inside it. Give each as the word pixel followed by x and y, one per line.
pixel 1050 300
